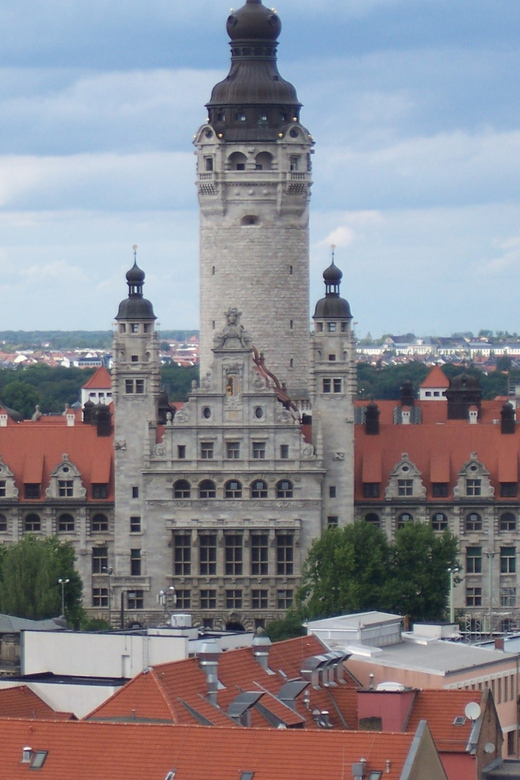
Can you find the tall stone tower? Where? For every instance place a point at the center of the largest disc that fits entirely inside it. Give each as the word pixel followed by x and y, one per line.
pixel 332 389
pixel 254 179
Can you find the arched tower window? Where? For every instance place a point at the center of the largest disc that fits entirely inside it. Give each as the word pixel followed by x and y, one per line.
pixel 207 489
pixel 181 489
pixel 264 161
pixel 237 161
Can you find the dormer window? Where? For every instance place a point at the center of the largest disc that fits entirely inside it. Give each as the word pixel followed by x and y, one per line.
pixel 65 488
pixel 473 480
pixel 32 490
pixel 473 487
pixel 65 481
pixel 405 481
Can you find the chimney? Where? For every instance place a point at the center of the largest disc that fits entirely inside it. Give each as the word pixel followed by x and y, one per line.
pixel 359 770
pixel 102 420
pixel 261 648
pixel 87 412
pixel 372 419
pixel 208 660
pixel 508 423
pixel 499 643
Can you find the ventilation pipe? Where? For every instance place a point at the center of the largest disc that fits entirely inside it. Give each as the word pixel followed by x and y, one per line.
pixel 261 648
pixel 208 661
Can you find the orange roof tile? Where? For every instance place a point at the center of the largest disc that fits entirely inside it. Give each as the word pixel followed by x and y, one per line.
pixel 100 380
pixel 436 378
pixel 118 751
pixel 21 702
pixel 440 708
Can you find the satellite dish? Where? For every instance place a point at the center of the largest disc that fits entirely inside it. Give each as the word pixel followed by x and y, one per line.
pixel 472 710
pixel 489 747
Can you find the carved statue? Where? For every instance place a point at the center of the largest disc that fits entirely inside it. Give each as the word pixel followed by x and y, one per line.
pixel 233 335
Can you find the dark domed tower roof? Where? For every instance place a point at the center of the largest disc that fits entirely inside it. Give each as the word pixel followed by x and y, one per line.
pixel 464 391
pixel 254 101
pixel 332 306
pixel 135 307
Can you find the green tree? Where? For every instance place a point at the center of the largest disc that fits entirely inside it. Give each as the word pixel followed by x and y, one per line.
pixel 29 574
pixel 21 396
pixel 345 571
pixel 419 582
pixel 288 627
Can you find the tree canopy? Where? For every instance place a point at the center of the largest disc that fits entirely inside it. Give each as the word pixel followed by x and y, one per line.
pixel 355 568
pixel 29 574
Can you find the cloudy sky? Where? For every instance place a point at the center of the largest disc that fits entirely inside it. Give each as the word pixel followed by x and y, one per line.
pixel 414 105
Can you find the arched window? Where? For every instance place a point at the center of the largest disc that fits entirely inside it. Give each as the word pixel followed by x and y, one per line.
pixel 259 489
pixel 99 523
pixel 473 522
pixel 32 523
pixel 207 489
pixel 371 517
pixel 248 220
pixel 233 489
pixel 439 521
pixel 237 161
pixel 404 518
pixel 66 523
pixel 284 489
pixel 181 489
pixel 263 161
pixel 507 522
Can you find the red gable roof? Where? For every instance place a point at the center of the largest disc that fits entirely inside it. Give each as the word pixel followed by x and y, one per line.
pixel 436 378
pixel 100 380
pixel 21 702
pixel 33 450
pixel 115 751
pixel 441 708
pixel 172 691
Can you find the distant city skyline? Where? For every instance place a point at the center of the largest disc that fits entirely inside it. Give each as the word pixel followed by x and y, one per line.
pixel 415 110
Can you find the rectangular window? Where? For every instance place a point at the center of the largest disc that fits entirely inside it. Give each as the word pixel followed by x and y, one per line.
pixel 129 386
pixel 473 597
pixel 332 520
pixel 473 487
pixel 510 743
pixel 233 599
pixel 183 599
pixel 507 522
pixel 99 523
pixel 233 450
pixel 208 162
pixel 507 597
pixel 259 450
pixel 332 327
pixel 294 162
pixel 100 597
pixel 134 327
pixel 66 524
pixel 507 560
pixel 284 599
pixel 135 358
pixel 208 553
pixel 2 488
pixel 327 385
pixel 208 599
pixel 65 488
pixel 139 386
pixel 371 489
pixel 135 492
pixel 3 523
pixel 332 491
pixel 135 563
pixel 284 451
pixel 284 554
pixel 182 555
pixel 259 599
pixel 100 490
pixel 474 560
pixel 135 599
pixel 259 554
pixel 206 450
pixel 439 489
pixel 135 525
pixel 405 487
pixel 99 560
pixel 233 550
pixel 337 385
pixel 181 451
pixel 508 489
pixel 32 490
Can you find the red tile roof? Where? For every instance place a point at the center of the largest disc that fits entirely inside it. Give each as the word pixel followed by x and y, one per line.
pixel 21 702
pixel 440 708
pixel 102 751
pixel 436 378
pixel 161 693
pixel 100 380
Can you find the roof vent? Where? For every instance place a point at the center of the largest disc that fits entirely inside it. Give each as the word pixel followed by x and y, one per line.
pixel 26 755
pixel 359 770
pixel 208 660
pixel 240 708
pixel 261 648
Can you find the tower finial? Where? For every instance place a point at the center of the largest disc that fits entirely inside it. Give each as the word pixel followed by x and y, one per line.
pixel 135 248
pixel 333 248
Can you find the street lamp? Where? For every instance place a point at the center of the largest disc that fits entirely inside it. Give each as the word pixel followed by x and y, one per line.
pixel 452 572
pixel 108 570
pixel 490 555
pixel 63 583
